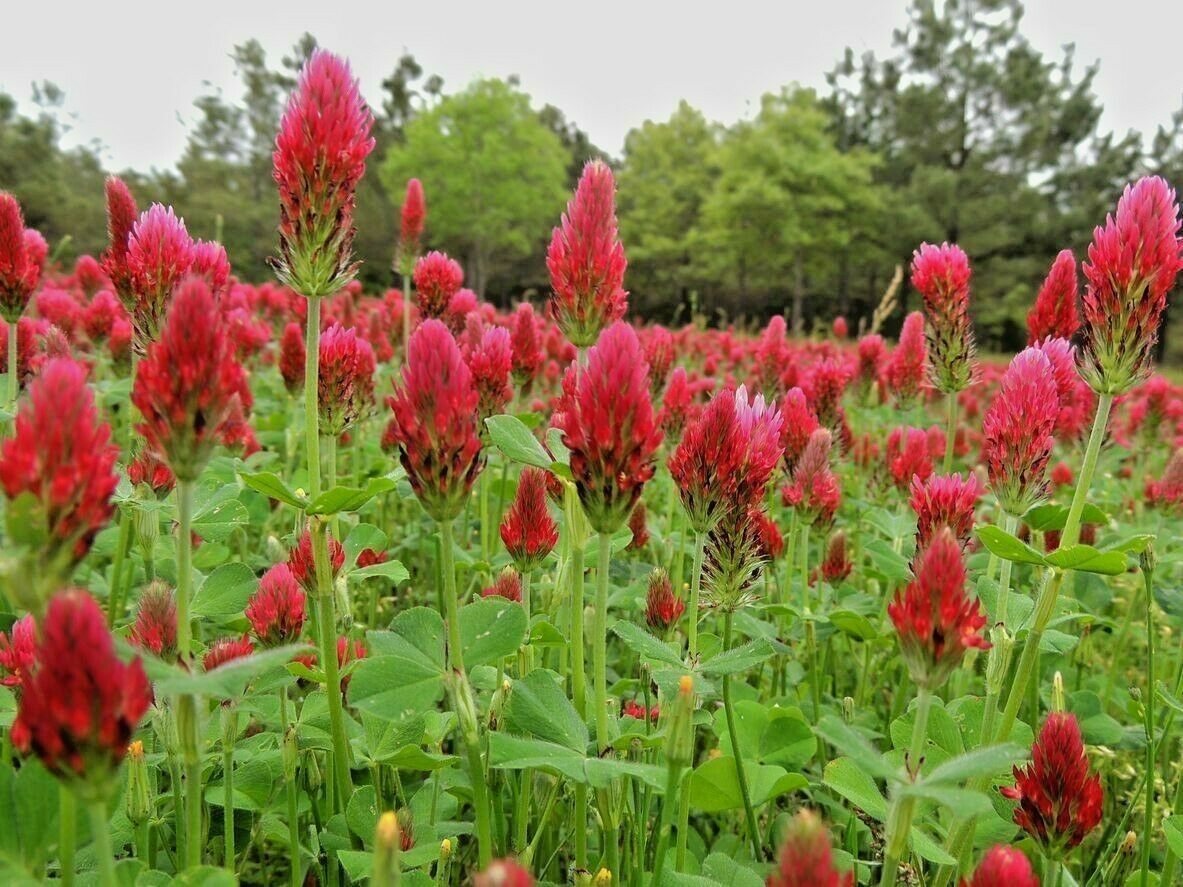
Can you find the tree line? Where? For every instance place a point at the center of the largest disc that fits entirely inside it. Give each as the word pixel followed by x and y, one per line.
pixel 963 132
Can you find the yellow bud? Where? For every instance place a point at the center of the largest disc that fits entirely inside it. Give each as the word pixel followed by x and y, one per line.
pixel 445 848
pixel 603 878
pixel 387 831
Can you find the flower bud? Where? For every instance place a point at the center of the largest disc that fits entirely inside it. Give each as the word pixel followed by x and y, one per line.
pixel 387 846
pixel 291 754
pixel 679 734
pixel 139 800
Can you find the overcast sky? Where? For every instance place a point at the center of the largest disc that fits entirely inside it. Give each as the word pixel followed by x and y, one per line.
pixel 130 70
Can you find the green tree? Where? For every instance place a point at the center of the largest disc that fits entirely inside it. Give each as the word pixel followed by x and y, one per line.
pixel 493 173
pixel 667 173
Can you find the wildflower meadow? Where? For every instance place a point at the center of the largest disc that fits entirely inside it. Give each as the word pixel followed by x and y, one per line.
pixel 303 583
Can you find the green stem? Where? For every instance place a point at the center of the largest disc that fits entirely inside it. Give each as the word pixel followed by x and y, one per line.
pixel 683 821
pixel 102 843
pixel 67 831
pixel 228 796
pixel 663 829
pixel 1151 748
pixel 451 604
pixel 950 431
pixel 12 369
pixel 736 751
pixel 122 549
pixel 578 676
pixel 291 790
pixel 600 642
pixel 700 539
pixel 899 822
pixel 311 380
pixel 184 544
pixel 326 617
pixel 177 784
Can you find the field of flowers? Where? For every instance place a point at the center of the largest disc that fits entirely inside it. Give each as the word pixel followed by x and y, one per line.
pixel 308 585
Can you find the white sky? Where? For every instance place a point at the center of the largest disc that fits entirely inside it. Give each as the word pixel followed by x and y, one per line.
pixel 131 70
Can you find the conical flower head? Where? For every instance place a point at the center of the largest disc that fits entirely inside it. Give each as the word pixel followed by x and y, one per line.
pixel 185 387
pixel 806 856
pixel 81 704
pixel 586 259
pixel 658 345
pixel 734 556
pixel 527 530
pixel 609 425
pixel 934 618
pixel 20 269
pixel 944 500
pixel 1054 314
pixel 491 363
pixel 813 490
pixel 159 256
pixel 320 155
pixel 908 456
pixel 60 459
pixel 1019 426
pixel 872 356
pixel 941 275
pixel 1132 265
pixel 121 218
pixel 760 425
pixel 303 566
pixel 905 367
pixel 155 628
pixel 18 652
pixel 411 219
pixel 799 423
pixel 435 421
pixel 1059 800
pixel 276 610
pixel 526 349
pixel 836 565
pixel 507 585
pixel 503 873
pixel 291 358
pixel 663 608
pixel 438 279
pixel 345 383
pixel 226 650
pixel 1002 866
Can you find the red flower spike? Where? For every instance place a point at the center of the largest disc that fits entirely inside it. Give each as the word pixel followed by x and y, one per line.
pixel 813 490
pixel 345 383
pixel 663 608
pixel 1054 314
pixel 503 873
pixel 771 542
pixel 586 260
pixel 367 557
pixel 320 155
pixel 159 256
pixel 301 564
pixel 806 857
pixel 905 368
pixel 437 279
pixel 638 527
pixel 508 585
pixel 935 620
pixel 20 269
pixel 1018 427
pixel 944 501
pixel 1132 264
pixel 226 650
pixel 276 610
pixel 435 422
pixel 411 219
pixel 18 652
pixel 836 565
pixel 608 424
pixel 658 346
pixel 528 531
pixel 80 704
pixel 148 469
pixel 61 454
pixel 121 218
pixel 798 426
pixel 155 628
pixel 526 349
pixel 872 356
pixel 908 456
pixel 291 358
pixel 1002 866
pixel 1059 800
pixel 941 275
pixel 676 404
pixel 491 365
pixel 185 387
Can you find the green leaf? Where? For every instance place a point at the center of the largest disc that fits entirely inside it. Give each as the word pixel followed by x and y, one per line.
pixel 854 624
pixel 28 814
pixel 554 441
pixel 988 761
pixel 1172 827
pixel 510 435
pixel 1135 544
pixel 644 644
pixel 404 672
pixel 227 681
pixel 391 570
pixel 1055 517
pixel 538 706
pixel 888 562
pixel 1002 544
pixel 360 538
pixel 271 486
pixel 1086 559
pixel 843 737
pixel 225 592
pixel 340 499
pixel 509 752
pixel 959 800
pixel 221 516
pixel 845 777
pixel 491 629
pixel 724 870
pixel 739 659
pixel 714 785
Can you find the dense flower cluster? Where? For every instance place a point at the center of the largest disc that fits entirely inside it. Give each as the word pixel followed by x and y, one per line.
pixel 438 279
pixel 411 219
pixel 1019 429
pixel 20 267
pixel 806 857
pixel 155 628
pixel 18 652
pixel 944 501
pixel 303 567
pixel 905 368
pixel 1054 314
pixel 813 491
pixel 941 275
pixel 663 608
pixel 345 384
pixel 226 650
pixel 276 610
pixel 1002 866
pixel 528 531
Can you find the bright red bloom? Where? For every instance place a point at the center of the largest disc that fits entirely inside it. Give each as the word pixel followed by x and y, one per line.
pixel 1132 264
pixel 1018 427
pixel 799 423
pixel 527 530
pixel 155 628
pixel 841 328
pixel 18 653
pixel 367 557
pixel 89 274
pixel 491 364
pixel 101 314
pixel 80 704
pixel 159 256
pixel 941 275
pixel 675 404
pixel 944 500
pixel 1054 314
pixel 20 270
pixel 806 857
pixel 437 279
pixel 291 358
pixel 1003 866
pixel 121 218
pixel 1167 493
pixel 210 262
pixel 345 384
pixel 935 620
pixel 1061 474
pixel 663 608
pixel 908 456
pixel 872 355
pixel 1059 800
pixel 586 259
pixel 773 355
pixel 320 155
pixel 276 610
pixel 638 527
pixel 827 383
pixel 813 491
pixel 147 468
pixel 349 651
pixel 303 568
pixel 61 454
pixel 771 542
pixel 508 585
pixel 905 368
pixel 503 873
pixel 638 712
pixel 610 428
pixel 435 422
pixel 226 650
pixel 185 386
pixel 526 349
pixel 412 217
pixel 658 346
pixel 836 565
